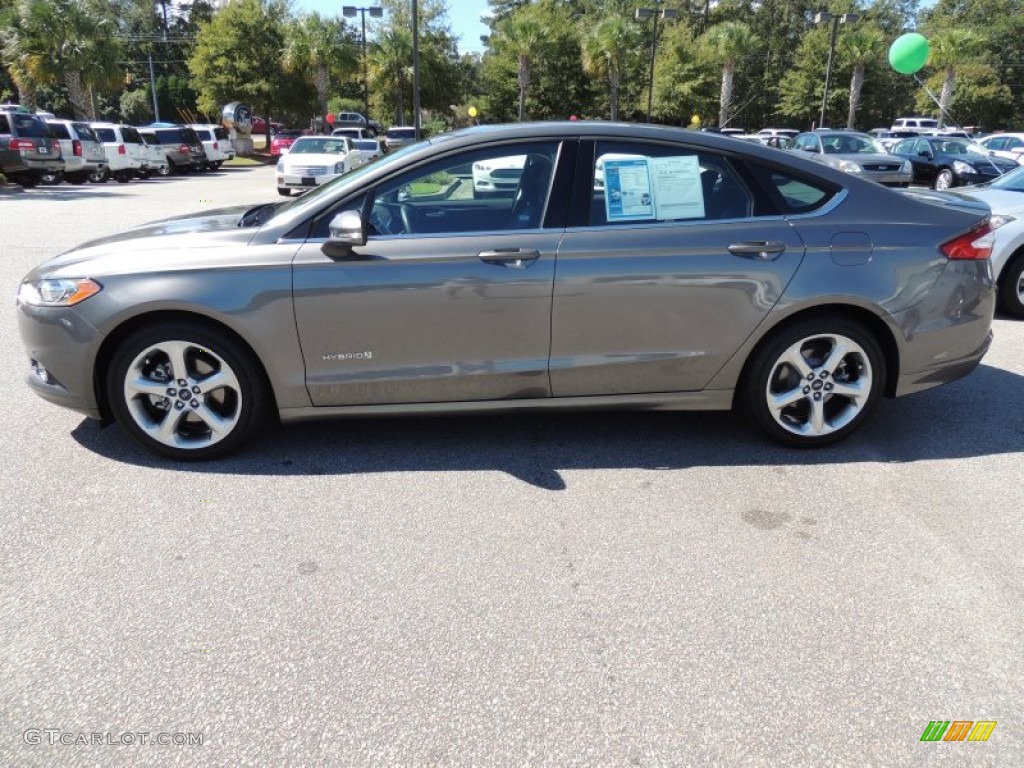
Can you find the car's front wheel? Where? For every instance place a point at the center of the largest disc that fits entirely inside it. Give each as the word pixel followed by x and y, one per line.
pixel 944 179
pixel 814 382
pixel 100 175
pixel 186 391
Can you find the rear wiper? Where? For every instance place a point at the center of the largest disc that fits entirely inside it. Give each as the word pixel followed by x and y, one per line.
pixel 256 216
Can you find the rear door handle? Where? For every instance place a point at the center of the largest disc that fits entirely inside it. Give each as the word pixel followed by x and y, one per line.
pixel 515 258
pixel 766 250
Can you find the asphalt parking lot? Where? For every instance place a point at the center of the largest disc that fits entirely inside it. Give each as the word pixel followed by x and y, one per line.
pixel 600 589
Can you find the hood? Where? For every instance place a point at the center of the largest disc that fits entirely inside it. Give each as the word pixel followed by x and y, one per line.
pixel 168 240
pixel 313 158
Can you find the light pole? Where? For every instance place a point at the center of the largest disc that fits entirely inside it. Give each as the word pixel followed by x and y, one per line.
pixel 824 17
pixel 653 13
pixel 375 12
pixel 416 69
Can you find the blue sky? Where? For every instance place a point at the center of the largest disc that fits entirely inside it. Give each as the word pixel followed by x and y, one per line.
pixel 463 16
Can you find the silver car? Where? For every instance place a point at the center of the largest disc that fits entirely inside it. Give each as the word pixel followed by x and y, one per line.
pixel 705 273
pixel 856 153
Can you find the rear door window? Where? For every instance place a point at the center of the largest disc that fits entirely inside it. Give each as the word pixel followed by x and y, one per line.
pixel 131 136
pixel 84 131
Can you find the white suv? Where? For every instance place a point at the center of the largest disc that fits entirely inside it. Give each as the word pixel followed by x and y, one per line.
pixel 124 148
pixel 216 142
pixel 919 124
pixel 155 155
pixel 81 149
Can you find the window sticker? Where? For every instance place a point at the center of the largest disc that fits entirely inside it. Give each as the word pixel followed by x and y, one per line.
pixel 678 193
pixel 627 190
pixel 645 188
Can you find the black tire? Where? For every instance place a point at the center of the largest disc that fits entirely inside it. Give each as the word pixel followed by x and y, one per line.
pixel 239 406
pixel 26 180
pixel 144 174
pixel 944 179
pixel 166 170
pixel 218 164
pixel 861 370
pixel 284 192
pixel 1011 287
pixel 100 176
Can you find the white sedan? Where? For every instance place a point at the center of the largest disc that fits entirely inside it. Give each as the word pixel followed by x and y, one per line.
pixel 1008 145
pixel 1005 196
pixel 315 160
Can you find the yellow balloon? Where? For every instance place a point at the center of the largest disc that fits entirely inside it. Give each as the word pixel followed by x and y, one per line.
pixel 472 111
pixel 695 119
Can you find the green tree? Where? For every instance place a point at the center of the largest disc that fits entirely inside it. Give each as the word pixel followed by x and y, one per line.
pixel 951 48
pixel 70 42
pixel 136 107
pixel 319 45
pixel 523 38
pixel 858 47
pixel 727 44
pixel 606 51
pixel 237 57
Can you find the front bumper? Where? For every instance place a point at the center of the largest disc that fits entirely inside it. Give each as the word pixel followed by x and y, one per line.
pixel 60 342
pixel 293 181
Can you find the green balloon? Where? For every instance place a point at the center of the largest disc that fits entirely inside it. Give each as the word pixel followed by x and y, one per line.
pixel 908 53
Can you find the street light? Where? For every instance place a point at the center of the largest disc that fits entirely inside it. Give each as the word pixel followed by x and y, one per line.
pixel 652 13
pixel 824 17
pixel 375 12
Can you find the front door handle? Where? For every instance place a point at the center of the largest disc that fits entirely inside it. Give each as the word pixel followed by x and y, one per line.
pixel 765 250
pixel 515 258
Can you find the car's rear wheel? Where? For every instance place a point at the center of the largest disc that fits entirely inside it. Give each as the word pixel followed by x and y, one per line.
pixel 26 180
pixel 100 176
pixel 186 391
pixel 284 191
pixel 814 382
pixel 944 179
pixel 1011 286
pixel 123 177
pixel 166 170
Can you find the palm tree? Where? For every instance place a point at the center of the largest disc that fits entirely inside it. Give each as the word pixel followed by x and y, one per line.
pixel 950 48
pixel 69 42
pixel 605 52
pixel 391 66
pixel 860 46
pixel 320 45
pixel 726 44
pixel 523 37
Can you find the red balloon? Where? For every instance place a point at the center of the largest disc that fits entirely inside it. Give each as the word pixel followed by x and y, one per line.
pixel 573 117
pixel 330 119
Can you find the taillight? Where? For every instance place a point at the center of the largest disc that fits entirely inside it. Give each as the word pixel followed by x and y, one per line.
pixel 22 144
pixel 183 149
pixel 215 145
pixel 76 147
pixel 121 149
pixel 976 244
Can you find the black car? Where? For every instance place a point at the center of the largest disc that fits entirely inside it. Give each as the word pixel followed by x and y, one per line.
pixel 943 161
pixel 27 151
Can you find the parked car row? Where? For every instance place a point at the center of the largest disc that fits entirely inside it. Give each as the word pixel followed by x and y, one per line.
pixel 34 149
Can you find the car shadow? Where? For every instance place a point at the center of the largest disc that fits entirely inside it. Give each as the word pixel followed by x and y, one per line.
pixel 71 191
pixel 972 417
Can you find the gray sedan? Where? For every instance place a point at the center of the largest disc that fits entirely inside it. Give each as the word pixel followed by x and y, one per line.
pixel 856 153
pixel 703 273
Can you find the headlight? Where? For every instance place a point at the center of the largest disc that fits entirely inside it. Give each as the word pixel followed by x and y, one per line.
pixel 280 166
pixel 57 293
pixel 961 167
pixel 907 167
pixel 998 220
pixel 849 166
pixel 339 167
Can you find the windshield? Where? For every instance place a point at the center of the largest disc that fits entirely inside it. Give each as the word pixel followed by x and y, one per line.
pixel 847 144
pixel 317 147
pixel 959 147
pixel 314 194
pixel 1012 181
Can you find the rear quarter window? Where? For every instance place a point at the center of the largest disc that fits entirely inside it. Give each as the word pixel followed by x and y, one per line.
pixel 29 125
pixel 203 134
pixel 792 194
pixel 169 136
pixel 131 136
pixel 106 134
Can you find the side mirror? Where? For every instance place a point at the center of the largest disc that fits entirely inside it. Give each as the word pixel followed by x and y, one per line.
pixel 346 231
